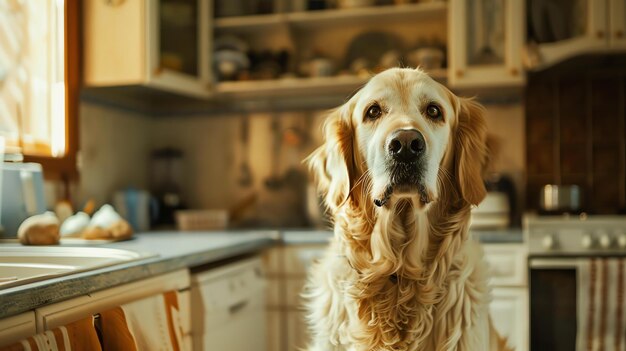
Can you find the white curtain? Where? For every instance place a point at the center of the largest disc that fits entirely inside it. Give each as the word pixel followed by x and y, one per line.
pixel 32 75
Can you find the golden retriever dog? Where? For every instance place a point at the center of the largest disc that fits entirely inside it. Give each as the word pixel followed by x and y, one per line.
pixel 400 170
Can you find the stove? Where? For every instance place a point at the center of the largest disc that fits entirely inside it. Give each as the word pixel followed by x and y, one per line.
pixel 575 235
pixel 577 282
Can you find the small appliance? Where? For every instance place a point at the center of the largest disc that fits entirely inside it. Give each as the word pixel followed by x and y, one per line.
pixel 22 195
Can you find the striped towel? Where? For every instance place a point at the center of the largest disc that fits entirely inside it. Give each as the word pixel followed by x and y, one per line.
pixel 149 324
pixel 601 305
pixel 153 323
pixel 79 336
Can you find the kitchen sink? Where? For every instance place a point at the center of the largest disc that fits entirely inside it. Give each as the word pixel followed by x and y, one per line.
pixel 26 264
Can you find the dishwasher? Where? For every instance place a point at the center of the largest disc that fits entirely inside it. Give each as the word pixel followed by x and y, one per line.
pixel 228 307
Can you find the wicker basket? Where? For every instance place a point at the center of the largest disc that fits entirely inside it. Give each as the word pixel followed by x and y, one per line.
pixel 196 220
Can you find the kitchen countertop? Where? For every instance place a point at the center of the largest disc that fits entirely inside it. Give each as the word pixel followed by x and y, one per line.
pixel 173 250
pixel 313 236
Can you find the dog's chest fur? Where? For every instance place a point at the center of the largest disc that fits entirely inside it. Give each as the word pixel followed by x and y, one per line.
pixel 383 292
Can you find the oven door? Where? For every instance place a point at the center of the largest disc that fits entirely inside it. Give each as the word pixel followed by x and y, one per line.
pixel 553 304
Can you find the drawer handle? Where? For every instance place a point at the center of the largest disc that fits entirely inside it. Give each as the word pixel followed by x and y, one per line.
pixel 237 307
pixel 114 3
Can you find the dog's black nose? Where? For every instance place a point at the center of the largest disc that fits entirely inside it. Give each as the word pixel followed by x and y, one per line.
pixel 406 145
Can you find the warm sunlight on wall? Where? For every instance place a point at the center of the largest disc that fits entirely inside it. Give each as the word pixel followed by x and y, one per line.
pixel 32 76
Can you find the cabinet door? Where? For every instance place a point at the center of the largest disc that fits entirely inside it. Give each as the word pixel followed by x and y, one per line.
pixel 617 21
pixel 485 42
pixel 559 30
pixel 509 314
pixel 297 332
pixel 178 53
pixel 275 328
pixel 16 328
pixel 507 264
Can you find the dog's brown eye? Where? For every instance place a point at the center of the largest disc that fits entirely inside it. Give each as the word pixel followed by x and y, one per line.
pixel 433 112
pixel 374 112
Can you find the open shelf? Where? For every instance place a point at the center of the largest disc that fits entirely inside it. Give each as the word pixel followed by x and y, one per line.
pixel 339 17
pixel 302 86
pixel 249 22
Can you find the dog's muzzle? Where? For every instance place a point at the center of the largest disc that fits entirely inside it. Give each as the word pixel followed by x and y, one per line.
pixel 406 149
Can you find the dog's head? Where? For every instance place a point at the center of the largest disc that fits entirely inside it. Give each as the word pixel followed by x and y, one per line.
pixel 404 136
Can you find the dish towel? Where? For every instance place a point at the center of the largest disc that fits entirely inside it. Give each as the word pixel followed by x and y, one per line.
pixel 79 336
pixel 153 323
pixel 601 305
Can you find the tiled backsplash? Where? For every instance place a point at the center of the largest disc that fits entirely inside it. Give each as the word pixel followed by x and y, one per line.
pixel 576 135
pixel 116 148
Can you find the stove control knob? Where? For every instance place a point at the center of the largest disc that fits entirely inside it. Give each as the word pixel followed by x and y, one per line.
pixel 606 241
pixel 548 242
pixel 588 241
pixel 621 240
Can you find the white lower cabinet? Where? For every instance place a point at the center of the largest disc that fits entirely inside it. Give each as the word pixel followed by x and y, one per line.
pixel 13 329
pixel 297 330
pixel 509 307
pixel 229 307
pixel 286 270
pixel 275 329
pixel 509 315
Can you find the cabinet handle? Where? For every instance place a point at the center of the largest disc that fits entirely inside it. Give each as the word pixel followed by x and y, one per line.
pixel 619 33
pixel 114 3
pixel 459 73
pixel 237 307
pixel 600 34
pixel 514 71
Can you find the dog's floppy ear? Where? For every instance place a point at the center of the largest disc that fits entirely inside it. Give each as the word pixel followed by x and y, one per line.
pixel 471 150
pixel 332 164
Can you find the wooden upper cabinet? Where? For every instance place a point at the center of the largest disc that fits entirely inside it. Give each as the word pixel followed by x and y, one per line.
pixel 161 44
pixel 559 31
pixel 485 42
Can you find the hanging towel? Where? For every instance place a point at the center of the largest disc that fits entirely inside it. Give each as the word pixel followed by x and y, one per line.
pixel 601 305
pixel 77 336
pixel 149 324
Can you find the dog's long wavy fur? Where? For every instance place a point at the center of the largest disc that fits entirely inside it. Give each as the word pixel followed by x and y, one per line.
pixel 439 296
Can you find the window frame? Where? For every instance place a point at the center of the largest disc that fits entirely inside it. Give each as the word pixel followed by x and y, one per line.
pixel 65 167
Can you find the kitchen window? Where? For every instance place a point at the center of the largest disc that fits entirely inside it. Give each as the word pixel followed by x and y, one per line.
pixel 39 82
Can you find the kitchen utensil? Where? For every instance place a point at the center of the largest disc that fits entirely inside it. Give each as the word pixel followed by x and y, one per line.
pixel 22 194
pixel 229 63
pixel 245 176
pixel 493 212
pixel 165 184
pixel 370 47
pixel 274 181
pixel 321 67
pixel 138 207
pixel 427 58
pixel 560 199
pixel 391 58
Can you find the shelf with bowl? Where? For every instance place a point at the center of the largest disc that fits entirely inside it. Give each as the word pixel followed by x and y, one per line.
pixel 343 84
